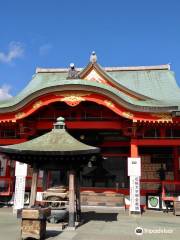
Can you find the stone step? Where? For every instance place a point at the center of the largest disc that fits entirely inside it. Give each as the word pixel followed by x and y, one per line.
pixel 102 199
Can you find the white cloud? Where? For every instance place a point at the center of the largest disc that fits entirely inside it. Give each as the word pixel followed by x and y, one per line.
pixel 15 50
pixel 45 49
pixel 4 92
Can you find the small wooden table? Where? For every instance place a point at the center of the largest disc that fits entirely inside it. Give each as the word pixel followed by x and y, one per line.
pixel 34 222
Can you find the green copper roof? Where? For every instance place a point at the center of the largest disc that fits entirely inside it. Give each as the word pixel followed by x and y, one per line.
pixel 159 85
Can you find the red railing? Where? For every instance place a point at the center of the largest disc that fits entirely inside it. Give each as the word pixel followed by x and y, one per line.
pixel 6 186
pixel 170 190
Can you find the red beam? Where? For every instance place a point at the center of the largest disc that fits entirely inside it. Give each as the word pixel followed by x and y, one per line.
pixel 94 125
pixel 44 125
pixel 9 141
pixel 115 144
pixel 156 142
pixel 83 125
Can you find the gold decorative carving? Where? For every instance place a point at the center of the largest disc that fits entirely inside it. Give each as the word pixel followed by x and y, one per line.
pixel 162 117
pixel 19 115
pixel 109 103
pixel 72 100
pixel 37 104
pixel 128 114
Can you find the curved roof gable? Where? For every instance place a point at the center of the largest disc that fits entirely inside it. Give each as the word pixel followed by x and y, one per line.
pixel 94 72
pixel 153 86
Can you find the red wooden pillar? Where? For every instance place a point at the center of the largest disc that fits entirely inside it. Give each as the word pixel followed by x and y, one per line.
pixel 162 132
pixel 134 150
pixel 176 163
pixel 7 168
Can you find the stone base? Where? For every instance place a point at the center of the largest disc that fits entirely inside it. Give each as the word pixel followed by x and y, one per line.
pixel 77 224
pixel 70 228
pixel 57 227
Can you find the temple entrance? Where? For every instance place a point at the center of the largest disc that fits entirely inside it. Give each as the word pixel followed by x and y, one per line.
pixel 96 125
pixel 110 173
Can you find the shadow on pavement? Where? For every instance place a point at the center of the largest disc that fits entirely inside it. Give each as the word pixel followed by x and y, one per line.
pixel 94 216
pixel 52 233
pixel 49 234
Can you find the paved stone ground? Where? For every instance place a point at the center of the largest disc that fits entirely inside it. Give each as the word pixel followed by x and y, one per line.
pixel 102 224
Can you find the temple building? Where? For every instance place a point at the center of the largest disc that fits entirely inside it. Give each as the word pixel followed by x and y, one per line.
pixel 125 111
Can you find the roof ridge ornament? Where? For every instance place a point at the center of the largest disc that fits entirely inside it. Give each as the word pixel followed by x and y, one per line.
pixel 60 124
pixel 93 57
pixel 72 72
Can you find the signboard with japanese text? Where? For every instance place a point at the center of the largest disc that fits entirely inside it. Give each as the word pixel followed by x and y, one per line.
pixel 134 194
pixel 19 192
pixel 20 173
pixel 134 167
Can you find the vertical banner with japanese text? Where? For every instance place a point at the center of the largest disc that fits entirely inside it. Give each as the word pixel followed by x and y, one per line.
pixel 134 194
pixel 134 172
pixel 20 173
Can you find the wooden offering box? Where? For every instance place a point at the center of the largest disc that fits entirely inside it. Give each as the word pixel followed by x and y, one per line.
pixel 34 222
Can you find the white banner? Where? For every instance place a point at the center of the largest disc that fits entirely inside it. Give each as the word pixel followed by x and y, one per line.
pixel 134 167
pixel 134 194
pixel 19 192
pixel 21 169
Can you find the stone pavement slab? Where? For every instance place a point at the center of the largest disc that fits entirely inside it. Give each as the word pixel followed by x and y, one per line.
pixel 103 224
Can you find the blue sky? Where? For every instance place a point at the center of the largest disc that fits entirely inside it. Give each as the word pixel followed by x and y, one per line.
pixel 53 33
